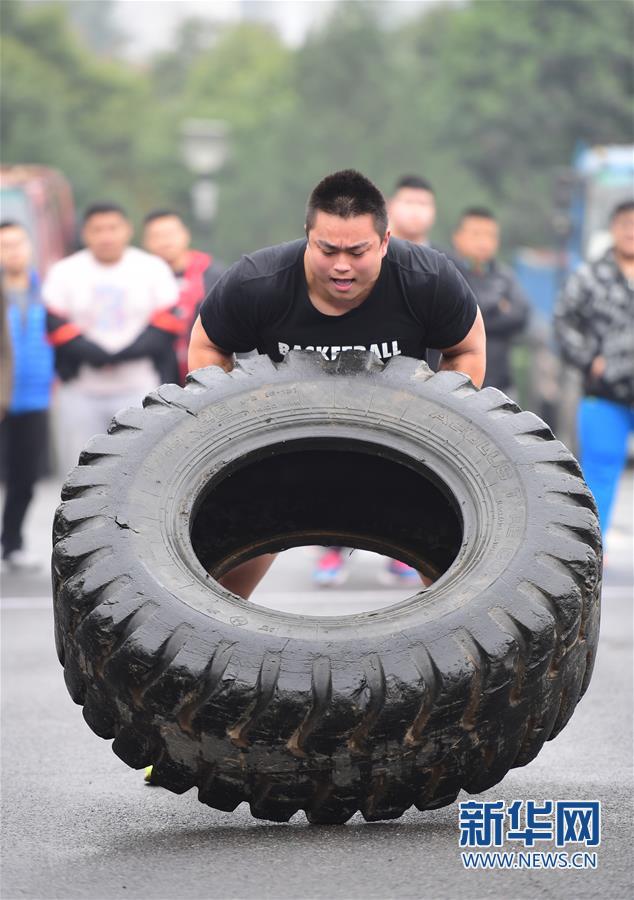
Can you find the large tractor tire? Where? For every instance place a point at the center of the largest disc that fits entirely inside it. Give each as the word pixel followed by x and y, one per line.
pixel 377 711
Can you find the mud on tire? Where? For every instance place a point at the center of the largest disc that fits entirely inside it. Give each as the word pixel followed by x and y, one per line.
pixel 374 712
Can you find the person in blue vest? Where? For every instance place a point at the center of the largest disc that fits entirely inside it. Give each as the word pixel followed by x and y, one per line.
pixel 24 422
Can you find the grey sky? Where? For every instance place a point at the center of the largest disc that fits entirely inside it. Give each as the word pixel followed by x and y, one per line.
pixel 151 23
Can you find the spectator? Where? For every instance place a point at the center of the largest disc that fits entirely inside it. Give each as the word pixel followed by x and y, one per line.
pixel 29 367
pixel 166 235
pixel 6 358
pixel 505 308
pixel 412 214
pixel 594 323
pixel 412 210
pixel 112 321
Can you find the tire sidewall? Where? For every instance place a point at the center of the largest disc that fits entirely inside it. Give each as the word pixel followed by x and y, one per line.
pixel 462 451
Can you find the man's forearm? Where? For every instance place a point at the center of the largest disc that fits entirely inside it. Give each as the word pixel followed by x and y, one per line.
pixel 202 352
pixel 471 362
pixel 200 357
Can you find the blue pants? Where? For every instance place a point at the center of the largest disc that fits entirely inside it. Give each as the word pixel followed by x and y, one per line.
pixel 603 428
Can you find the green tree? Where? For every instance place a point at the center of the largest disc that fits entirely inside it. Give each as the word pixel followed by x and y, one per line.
pixel 350 93
pixel 247 79
pixel 487 100
pixel 516 85
pixel 92 118
pixel 96 26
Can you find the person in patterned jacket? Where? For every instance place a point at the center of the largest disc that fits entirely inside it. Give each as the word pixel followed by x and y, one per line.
pixel 594 324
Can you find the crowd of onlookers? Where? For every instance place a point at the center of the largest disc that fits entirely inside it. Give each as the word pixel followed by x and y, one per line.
pixel 111 322
pixel 107 325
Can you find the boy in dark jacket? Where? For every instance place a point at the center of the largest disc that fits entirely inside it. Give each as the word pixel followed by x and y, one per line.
pixel 504 307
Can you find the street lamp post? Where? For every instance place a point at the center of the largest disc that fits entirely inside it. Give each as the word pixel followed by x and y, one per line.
pixel 204 148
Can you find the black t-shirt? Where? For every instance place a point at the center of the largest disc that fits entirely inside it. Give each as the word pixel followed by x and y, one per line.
pixel 261 302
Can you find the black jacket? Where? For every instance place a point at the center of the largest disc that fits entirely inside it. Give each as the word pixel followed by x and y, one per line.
pixel 505 311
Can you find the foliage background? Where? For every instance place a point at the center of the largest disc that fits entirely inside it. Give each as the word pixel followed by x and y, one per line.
pixel 487 99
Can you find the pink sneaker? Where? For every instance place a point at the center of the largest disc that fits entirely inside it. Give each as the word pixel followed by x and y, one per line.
pixel 330 570
pixel 399 573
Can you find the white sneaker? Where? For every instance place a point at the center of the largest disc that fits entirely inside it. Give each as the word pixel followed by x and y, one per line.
pixel 21 561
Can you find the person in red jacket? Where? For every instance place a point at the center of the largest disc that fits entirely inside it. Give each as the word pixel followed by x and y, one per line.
pixel 166 235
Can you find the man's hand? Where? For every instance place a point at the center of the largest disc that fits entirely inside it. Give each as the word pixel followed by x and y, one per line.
pixel 469 356
pixel 597 368
pixel 203 352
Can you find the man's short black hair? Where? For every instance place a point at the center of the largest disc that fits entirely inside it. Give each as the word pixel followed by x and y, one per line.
pixel 477 212
pixel 11 223
pixel 161 214
pixel 348 193
pixel 626 206
pixel 96 209
pixel 413 181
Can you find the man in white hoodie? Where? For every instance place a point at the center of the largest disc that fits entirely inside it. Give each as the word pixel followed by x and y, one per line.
pixel 112 321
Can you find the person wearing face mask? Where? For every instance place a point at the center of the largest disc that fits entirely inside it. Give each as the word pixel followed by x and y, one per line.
pixel 346 285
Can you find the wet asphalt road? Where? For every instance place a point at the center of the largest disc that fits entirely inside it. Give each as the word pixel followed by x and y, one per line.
pixel 77 823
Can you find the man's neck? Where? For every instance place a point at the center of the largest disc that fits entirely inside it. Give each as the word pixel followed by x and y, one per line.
pixel 108 262
pixel 422 239
pixel 15 281
pixel 477 265
pixel 625 264
pixel 180 264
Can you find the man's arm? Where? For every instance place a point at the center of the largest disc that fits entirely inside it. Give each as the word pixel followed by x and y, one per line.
pixel 511 313
pixel 203 352
pixel 469 355
pixel 157 338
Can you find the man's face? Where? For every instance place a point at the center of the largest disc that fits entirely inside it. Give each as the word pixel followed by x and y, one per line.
pixel 477 239
pixel 622 231
pixel 168 238
pixel 412 214
pixel 15 250
pixel 344 256
pixel 107 235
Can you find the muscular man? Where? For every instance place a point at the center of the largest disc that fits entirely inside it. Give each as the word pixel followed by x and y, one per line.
pixel 411 213
pixel 343 286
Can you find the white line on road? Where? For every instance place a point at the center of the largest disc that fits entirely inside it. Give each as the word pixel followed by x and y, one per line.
pixel 26 603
